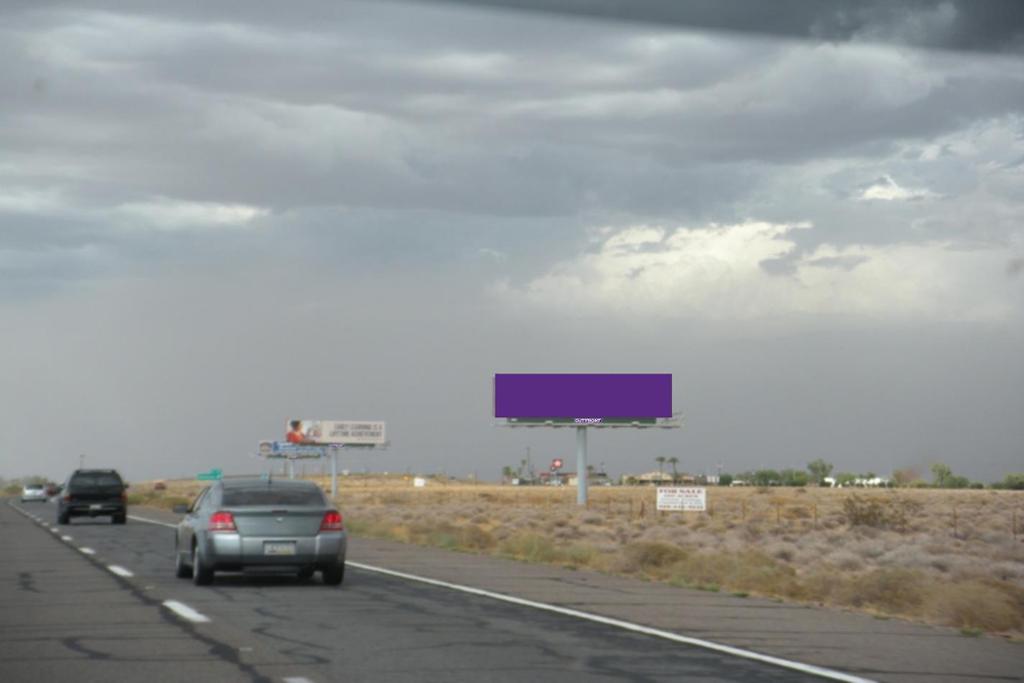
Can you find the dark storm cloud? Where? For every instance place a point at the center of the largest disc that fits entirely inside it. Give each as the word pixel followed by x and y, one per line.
pixel 199 201
pixel 986 25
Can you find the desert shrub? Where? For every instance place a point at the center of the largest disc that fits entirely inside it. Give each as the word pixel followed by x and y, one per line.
pixel 888 590
pixel 530 547
pixel 978 605
pixel 649 555
pixel 874 513
pixel 474 538
pixel 135 499
pixel 749 571
pixel 782 551
pixel 581 555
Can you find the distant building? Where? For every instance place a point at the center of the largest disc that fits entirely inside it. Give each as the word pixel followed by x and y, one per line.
pixel 570 479
pixel 650 478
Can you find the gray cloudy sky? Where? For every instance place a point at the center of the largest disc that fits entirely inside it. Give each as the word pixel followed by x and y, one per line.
pixel 216 218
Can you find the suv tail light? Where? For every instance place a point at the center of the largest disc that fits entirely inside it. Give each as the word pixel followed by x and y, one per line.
pixel 222 521
pixel 332 521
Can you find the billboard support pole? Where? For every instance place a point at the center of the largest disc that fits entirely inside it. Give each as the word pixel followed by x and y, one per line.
pixel 581 465
pixel 334 473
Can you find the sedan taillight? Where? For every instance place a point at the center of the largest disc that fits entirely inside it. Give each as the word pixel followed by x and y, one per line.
pixel 222 521
pixel 332 521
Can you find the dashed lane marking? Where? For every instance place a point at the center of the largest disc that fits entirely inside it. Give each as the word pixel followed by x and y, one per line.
pixel 186 612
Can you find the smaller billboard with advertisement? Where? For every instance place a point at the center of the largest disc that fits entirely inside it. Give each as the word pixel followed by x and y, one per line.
pixel 682 498
pixel 327 432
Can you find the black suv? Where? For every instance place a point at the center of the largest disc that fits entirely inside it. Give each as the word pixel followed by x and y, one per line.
pixel 93 493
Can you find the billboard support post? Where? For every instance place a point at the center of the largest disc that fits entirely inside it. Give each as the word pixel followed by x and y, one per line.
pixel 581 466
pixel 334 473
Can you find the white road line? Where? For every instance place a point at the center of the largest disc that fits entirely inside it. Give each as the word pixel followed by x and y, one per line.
pixel 88 551
pixel 120 571
pixel 67 539
pixel 628 626
pixel 297 679
pixel 152 521
pixel 811 669
pixel 186 612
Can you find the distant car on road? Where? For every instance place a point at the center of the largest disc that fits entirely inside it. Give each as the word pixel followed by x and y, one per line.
pixel 33 493
pixel 93 493
pixel 240 524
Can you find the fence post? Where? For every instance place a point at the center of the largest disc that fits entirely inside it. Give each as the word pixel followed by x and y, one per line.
pixel 743 510
pixel 815 515
pixel 956 533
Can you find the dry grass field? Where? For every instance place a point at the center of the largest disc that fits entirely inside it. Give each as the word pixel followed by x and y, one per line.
pixel 949 557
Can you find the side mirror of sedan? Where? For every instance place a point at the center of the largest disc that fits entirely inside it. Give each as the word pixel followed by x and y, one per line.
pixel 180 509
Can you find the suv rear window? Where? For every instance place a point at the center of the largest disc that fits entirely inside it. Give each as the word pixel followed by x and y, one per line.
pixel 271 496
pixel 97 480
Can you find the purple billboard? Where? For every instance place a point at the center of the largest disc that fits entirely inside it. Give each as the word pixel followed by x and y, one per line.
pixel 583 397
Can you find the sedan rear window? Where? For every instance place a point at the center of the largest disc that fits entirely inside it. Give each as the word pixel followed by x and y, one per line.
pixel 272 496
pixel 96 481
pixel 34 486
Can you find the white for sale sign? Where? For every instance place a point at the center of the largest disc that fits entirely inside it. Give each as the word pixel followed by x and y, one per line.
pixel 685 498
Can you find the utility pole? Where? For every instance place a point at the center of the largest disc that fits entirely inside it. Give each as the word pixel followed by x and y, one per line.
pixel 581 465
pixel 81 461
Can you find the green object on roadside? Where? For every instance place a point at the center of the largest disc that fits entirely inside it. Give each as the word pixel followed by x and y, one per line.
pixel 212 475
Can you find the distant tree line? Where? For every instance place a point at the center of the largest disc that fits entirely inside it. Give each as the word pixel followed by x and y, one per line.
pixel 819 473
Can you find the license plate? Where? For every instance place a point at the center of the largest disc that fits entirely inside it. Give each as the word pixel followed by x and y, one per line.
pixel 95 506
pixel 283 548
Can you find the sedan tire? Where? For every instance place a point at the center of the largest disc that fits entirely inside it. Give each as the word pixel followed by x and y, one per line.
pixel 181 570
pixel 201 574
pixel 333 576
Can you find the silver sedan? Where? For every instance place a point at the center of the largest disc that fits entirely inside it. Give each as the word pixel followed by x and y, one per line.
pixel 240 524
pixel 33 492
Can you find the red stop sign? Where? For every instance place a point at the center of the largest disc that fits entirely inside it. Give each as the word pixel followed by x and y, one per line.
pixel 556 464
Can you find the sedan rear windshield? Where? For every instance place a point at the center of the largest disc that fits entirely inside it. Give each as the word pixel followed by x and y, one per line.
pixel 272 496
pixel 96 481
pixel 34 486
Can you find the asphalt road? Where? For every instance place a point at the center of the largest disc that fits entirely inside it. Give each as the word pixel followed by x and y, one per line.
pixel 66 615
